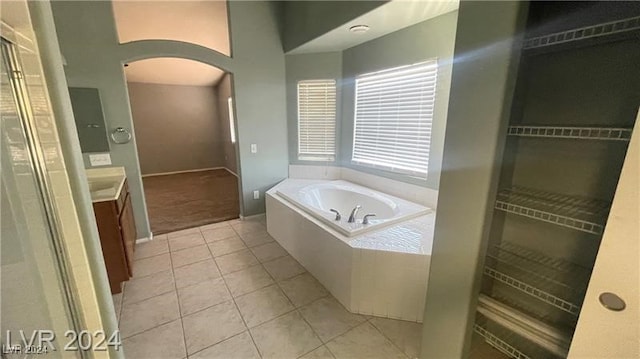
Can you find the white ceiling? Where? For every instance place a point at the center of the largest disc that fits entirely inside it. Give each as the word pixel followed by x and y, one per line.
pixel 385 19
pixel 173 71
pixel 202 23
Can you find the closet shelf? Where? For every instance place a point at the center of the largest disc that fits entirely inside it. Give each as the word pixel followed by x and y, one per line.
pixel 579 133
pixel 583 33
pixel 537 290
pixel 586 215
pixel 499 343
pixel 516 334
pixel 565 276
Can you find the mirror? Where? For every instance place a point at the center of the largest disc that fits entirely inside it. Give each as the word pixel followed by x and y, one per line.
pixel 87 110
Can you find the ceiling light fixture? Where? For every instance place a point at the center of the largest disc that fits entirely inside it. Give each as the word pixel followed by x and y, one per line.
pixel 359 29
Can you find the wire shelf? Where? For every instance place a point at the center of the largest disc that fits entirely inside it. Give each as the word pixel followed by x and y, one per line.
pixel 586 215
pixel 564 276
pixel 583 33
pixel 521 333
pixel 578 133
pixel 498 343
pixel 527 288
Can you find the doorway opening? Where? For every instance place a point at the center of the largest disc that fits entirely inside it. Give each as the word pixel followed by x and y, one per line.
pixel 183 114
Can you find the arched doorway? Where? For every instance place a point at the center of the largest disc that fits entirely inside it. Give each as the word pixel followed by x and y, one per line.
pixel 186 141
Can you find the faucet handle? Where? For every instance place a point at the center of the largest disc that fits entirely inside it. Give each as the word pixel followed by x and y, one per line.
pixel 365 219
pixel 338 216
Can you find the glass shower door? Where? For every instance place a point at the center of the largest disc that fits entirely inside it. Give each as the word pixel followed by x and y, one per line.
pixel 36 308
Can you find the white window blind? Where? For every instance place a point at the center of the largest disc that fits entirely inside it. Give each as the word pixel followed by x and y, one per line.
pixel 317 120
pixel 393 118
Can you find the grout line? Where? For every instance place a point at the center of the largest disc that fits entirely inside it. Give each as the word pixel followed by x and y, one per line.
pixel 175 285
pixel 386 337
pixel 236 305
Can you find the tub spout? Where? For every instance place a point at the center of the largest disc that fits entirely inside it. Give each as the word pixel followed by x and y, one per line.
pixel 338 216
pixel 352 217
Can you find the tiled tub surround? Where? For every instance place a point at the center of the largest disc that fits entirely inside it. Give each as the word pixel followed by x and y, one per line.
pixel 229 291
pixel 382 272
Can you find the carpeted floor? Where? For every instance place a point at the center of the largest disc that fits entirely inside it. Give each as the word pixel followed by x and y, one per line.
pixel 186 200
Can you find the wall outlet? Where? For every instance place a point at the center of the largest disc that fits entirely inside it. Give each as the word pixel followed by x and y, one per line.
pixel 100 159
pixel 254 148
pixel 256 194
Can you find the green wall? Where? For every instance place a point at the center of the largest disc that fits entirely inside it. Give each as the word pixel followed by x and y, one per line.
pixel 89 43
pixel 482 86
pixel 435 38
pixel 326 65
pixel 429 39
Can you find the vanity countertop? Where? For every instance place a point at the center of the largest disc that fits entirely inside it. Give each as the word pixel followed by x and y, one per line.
pixel 105 184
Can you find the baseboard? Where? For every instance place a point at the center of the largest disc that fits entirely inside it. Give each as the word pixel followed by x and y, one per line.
pixel 186 171
pixel 145 239
pixel 230 171
pixel 245 218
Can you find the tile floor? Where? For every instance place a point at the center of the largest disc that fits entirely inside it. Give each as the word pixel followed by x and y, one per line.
pixel 228 290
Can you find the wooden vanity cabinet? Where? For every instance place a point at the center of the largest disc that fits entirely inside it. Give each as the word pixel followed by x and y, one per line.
pixel 117 230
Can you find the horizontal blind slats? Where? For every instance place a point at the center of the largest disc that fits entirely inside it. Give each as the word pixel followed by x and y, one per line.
pixel 393 118
pixel 316 120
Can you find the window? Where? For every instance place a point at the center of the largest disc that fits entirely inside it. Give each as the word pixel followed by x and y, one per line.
pixel 232 124
pixel 393 116
pixel 317 120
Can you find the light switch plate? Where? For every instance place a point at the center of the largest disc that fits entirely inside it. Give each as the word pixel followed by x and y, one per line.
pixel 254 148
pixel 100 159
pixel 256 194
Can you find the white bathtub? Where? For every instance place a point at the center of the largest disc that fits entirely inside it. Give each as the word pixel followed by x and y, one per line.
pixel 379 269
pixel 319 198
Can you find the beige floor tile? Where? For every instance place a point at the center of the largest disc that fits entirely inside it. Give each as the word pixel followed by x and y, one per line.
pixel 186 241
pixel 329 318
pixel 137 289
pixel 263 305
pixel 163 342
pixel 303 289
pixel 247 227
pixel 211 326
pixel 207 227
pixel 236 261
pixel 151 265
pixel 239 347
pixel 286 337
pixel 253 239
pixel 202 295
pixel 226 246
pixel 117 304
pixel 149 313
pixel 217 234
pixel 190 255
pixel 320 353
pixel 196 273
pixel 405 335
pixel 152 248
pixel 247 280
pixel 269 251
pixel 183 232
pixel 364 341
pixel 283 268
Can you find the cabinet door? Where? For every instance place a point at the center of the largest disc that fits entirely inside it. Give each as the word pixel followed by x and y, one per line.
pixel 128 231
pixel 602 332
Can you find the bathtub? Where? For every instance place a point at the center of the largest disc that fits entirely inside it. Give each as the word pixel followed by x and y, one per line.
pixel 319 198
pixel 378 269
